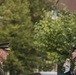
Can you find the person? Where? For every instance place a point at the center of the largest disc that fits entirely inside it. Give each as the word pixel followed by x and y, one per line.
pixel 74 52
pixel 67 67
pixel 74 59
pixel 3 55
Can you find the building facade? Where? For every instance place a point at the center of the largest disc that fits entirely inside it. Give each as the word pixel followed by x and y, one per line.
pixel 70 4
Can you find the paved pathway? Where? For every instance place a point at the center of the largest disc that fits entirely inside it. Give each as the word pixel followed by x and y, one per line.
pixel 48 73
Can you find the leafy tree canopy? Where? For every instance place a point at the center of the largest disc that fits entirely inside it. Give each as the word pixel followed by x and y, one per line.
pixel 56 35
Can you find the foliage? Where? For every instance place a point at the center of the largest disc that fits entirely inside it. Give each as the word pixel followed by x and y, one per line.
pixel 50 43
pixel 56 35
pixel 37 7
pixel 16 27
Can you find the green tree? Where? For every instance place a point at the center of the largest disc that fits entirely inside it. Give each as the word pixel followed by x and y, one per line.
pixel 16 27
pixel 37 7
pixel 56 35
